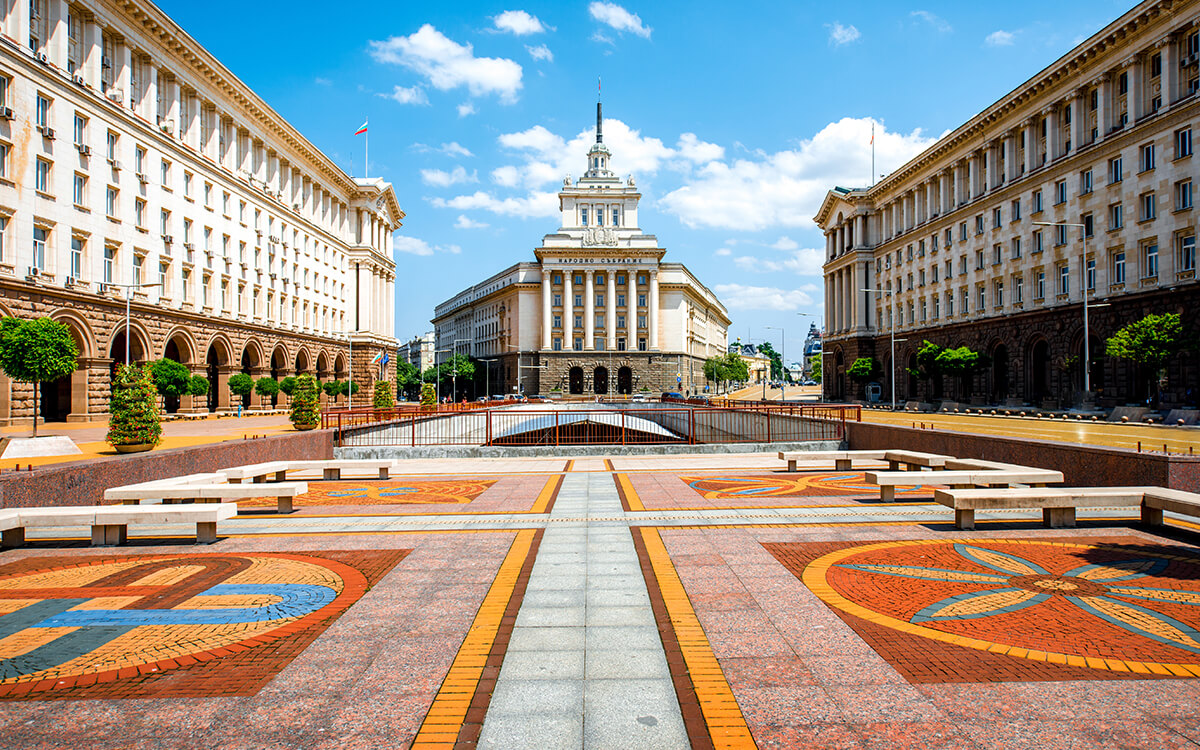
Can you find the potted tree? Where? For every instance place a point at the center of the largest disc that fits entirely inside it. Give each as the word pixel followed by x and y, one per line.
pixel 428 397
pixel 385 397
pixel 36 351
pixel 134 425
pixel 306 403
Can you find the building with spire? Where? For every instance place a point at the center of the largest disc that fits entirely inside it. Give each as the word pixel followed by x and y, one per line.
pixel 598 312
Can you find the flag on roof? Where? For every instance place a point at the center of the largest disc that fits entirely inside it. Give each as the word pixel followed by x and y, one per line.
pixel 362 129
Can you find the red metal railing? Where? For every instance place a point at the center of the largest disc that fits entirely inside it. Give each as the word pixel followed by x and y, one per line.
pixel 448 425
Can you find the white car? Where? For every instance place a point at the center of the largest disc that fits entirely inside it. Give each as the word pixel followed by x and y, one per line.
pixel 638 398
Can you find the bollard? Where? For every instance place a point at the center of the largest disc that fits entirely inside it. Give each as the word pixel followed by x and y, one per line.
pixel 1139 446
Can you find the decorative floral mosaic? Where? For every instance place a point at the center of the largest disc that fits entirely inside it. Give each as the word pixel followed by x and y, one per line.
pixel 169 625
pixel 384 492
pixel 1098 610
pixel 751 486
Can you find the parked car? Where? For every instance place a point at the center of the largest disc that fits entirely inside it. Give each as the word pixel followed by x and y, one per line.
pixel 638 398
pixel 499 398
pixel 537 399
pixel 672 394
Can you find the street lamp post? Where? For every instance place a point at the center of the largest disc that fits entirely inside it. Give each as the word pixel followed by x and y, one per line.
pixel 128 295
pixel 782 361
pixel 1083 291
pixel 891 335
pixel 487 378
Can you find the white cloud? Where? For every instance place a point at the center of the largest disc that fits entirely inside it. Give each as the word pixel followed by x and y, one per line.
pixel 412 95
pixel 414 246
pixel 785 189
pixel 618 18
pixel 839 34
pixel 463 222
pixel 465 109
pixel 601 38
pixel 518 22
pixel 742 297
pixel 999 38
pixel 449 65
pixel 540 52
pixel 454 148
pixel 938 23
pixel 536 204
pixel 802 262
pixel 507 176
pixel 322 81
pixel 785 243
pixel 440 178
pixel 723 252
pixel 694 149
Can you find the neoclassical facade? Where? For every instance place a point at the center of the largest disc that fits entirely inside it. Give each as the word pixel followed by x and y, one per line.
pixel 598 313
pixel 132 162
pixel 1080 181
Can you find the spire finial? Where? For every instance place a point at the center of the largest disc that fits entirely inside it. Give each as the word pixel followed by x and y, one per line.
pixel 599 115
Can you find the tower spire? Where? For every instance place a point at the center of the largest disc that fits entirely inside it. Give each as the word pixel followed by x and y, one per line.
pixel 599 115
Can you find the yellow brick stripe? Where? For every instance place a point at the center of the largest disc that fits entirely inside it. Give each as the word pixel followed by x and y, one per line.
pixel 631 495
pixel 549 490
pixel 722 715
pixel 449 710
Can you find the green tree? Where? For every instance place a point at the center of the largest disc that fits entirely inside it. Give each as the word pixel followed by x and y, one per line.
pixel 408 378
pixel 428 396
pixel 37 351
pixel 241 384
pixel 334 388
pixel 170 377
pixel 197 385
pixel 306 403
pixel 814 367
pixel 960 363
pixel 268 388
pixel 135 417
pixel 385 397
pixel 456 369
pixel 864 369
pixel 765 348
pixel 1150 343
pixel 288 385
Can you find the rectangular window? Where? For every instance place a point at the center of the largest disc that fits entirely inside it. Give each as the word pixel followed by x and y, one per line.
pixel 949 304
pixel 583 217
pixel 79 189
pixel 164 222
pixel 1040 287
pixel 998 293
pixel 996 218
pixel 979 224
pixel 1115 173
pixel 1187 252
pixel 3 160
pixel 1116 217
pixel 1147 202
pixel 620 321
pixel 1183 195
pixel 980 297
pixel 40 235
pixel 163 277
pixel 578 344
pixel 616 217
pixel 79 132
pixel 1060 236
pixel 997 254
pixel 641 300
pixel 599 217
pixel 1089 225
pixel 1183 143
pixel 42 113
pixel 1118 267
pixel 110 203
pixel 1064 279
pixel 42 176
pixel 642 321
pixel 164 173
pixel 1016 247
pixel 138 262
pixel 1018 283
pixel 187 184
pixel 1037 201
pixel 75 264
pixel 1085 182
pixel 1060 192
pixel 962 232
pixel 558 300
pixel 1016 210
pixel 557 321
pixel 139 213
pixel 1038 242
pixel 139 160
pixel 1150 260
pixel 1146 157
pixel 641 345
pixel 579 300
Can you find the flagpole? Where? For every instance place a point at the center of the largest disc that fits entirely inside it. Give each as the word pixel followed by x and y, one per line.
pixel 872 151
pixel 366 151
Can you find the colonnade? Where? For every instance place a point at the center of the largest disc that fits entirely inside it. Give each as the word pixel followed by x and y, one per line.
pixel 589 307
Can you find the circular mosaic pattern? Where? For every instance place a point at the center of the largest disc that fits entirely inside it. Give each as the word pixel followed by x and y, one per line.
pixel 384 492
pixel 1102 606
pixel 752 486
pixel 114 618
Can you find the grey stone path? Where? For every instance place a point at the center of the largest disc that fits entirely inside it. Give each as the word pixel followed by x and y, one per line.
pixel 585 666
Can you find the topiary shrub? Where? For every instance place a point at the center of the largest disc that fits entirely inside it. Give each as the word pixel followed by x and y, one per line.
pixel 333 388
pixel 288 385
pixel 134 408
pixel 385 396
pixel 267 388
pixel 241 384
pixel 306 403
pixel 428 396
pixel 197 385
pixel 170 377
pixel 36 351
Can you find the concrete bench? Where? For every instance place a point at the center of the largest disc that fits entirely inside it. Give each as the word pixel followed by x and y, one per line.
pixel 1157 499
pixel 283 492
pixel 110 523
pixel 914 460
pixel 332 469
pixel 1058 504
pixel 205 478
pixel 842 460
pixel 256 473
pixel 888 481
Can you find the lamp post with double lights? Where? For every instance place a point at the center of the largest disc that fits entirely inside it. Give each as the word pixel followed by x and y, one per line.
pixel 1083 292
pixel 487 378
pixel 891 335
pixel 129 289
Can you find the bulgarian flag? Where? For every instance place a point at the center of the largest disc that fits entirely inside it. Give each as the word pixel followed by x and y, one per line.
pixel 361 130
pixel 378 357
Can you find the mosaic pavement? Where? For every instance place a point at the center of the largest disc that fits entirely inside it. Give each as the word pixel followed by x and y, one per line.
pixel 698 601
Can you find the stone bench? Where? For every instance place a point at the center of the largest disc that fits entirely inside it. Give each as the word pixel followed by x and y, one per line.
pixel 1157 499
pixel 332 469
pixel 205 478
pixel 283 492
pixel 1058 504
pixel 256 473
pixel 110 523
pixel 888 481
pixel 914 460
pixel 842 460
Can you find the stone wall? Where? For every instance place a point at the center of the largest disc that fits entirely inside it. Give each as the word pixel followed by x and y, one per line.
pixel 84 482
pixel 651 372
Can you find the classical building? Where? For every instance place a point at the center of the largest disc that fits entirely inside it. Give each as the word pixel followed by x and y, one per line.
pixel 973 242
pixel 757 363
pixel 132 161
pixel 599 311
pixel 418 351
pixel 812 349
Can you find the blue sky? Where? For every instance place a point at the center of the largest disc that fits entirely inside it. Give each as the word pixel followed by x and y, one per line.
pixel 734 119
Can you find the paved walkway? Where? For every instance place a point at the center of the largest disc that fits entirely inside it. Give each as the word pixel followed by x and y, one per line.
pixel 607 602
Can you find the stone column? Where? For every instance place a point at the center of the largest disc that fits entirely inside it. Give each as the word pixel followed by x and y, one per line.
pixel 861 299
pixel 1078 105
pixel 610 326
pixel 862 231
pixel 56 32
pixel 654 309
pixel 18 23
pixel 222 386
pixel 1031 144
pixel 1009 144
pixel 568 311
pixel 829 307
pixel 547 310
pixel 1170 70
pixel 92 51
pixel 589 310
pixel 1053 140
pixel 150 102
pixel 945 196
pixel 1136 70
